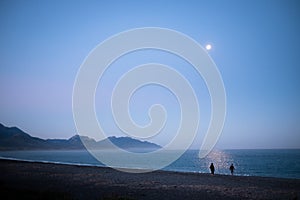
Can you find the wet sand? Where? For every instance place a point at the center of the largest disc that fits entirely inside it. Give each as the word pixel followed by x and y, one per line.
pixel 32 180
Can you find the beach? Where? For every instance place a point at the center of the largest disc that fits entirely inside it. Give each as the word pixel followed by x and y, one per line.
pixel 36 180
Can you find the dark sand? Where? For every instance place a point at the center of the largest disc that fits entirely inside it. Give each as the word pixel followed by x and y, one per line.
pixel 28 180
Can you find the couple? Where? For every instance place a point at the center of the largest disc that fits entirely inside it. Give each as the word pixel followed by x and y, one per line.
pixel 212 168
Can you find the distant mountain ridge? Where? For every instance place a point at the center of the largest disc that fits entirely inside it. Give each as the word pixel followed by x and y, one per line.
pixel 13 138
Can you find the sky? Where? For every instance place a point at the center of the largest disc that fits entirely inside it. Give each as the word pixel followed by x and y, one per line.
pixel 255 45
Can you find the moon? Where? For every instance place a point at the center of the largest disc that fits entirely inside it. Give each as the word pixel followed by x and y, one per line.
pixel 208 47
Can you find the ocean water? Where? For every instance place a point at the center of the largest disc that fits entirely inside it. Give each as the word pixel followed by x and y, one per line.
pixel 284 163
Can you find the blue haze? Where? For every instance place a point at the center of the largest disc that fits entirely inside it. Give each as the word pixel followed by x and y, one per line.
pixel 255 45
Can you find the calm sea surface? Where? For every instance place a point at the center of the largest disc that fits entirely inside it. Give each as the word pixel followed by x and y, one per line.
pixel 271 163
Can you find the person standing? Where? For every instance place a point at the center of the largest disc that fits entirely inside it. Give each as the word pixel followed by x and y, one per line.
pixel 231 168
pixel 212 168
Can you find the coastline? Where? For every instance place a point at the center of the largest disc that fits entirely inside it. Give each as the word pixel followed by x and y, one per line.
pixel 35 180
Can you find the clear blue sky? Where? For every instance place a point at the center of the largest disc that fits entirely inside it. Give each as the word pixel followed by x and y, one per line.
pixel 256 47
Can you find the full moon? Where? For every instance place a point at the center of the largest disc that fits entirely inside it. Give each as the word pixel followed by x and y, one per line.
pixel 208 47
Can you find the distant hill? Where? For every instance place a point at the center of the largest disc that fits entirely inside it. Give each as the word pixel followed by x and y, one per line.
pixel 12 138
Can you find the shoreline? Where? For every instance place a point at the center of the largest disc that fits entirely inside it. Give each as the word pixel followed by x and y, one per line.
pixel 277 164
pixel 60 181
pixel 101 166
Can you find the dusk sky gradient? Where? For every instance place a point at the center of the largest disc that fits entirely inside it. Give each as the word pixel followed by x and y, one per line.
pixel 255 44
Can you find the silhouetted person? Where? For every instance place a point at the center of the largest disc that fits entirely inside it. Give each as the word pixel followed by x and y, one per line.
pixel 212 168
pixel 231 169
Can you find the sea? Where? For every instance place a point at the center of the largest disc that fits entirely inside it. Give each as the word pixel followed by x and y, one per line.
pixel 282 163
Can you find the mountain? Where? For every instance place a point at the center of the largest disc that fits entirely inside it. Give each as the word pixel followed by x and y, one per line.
pixel 12 138
pixel 127 143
